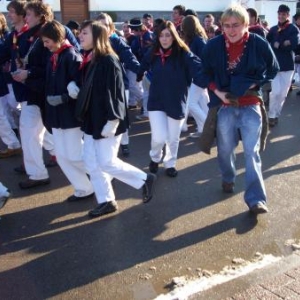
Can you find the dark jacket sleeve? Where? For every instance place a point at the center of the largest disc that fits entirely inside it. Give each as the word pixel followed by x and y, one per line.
pixel 115 92
pixel 125 54
pixel 71 38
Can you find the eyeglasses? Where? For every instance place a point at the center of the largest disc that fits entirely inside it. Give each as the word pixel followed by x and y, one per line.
pixel 233 26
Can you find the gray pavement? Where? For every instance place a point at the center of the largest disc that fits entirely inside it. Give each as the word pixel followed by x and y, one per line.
pixel 51 250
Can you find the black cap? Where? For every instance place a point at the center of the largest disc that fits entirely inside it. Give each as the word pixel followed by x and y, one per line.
pixel 145 16
pixel 296 16
pixel 73 25
pixel 190 12
pixel 283 8
pixel 135 23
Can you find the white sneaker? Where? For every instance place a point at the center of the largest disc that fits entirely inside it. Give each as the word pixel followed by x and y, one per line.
pixel 142 117
pixel 4 199
pixel 195 135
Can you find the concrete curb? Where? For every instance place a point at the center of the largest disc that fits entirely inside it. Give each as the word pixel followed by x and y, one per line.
pixel 280 280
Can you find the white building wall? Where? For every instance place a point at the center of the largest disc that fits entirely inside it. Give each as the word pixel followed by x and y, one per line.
pixel 158 5
pixel 267 8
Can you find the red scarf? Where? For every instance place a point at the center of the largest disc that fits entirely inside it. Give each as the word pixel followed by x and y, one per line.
pixel 17 34
pixel 54 57
pixel 178 23
pixel 283 25
pixel 235 50
pixel 87 57
pixel 163 55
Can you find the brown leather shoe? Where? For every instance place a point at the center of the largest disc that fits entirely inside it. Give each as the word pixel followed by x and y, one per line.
pixel 10 152
pixel 30 183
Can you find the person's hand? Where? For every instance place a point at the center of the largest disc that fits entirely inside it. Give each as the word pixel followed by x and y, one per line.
pixel 222 96
pixel 234 101
pixel 276 45
pixel 287 43
pixel 73 90
pixel 20 75
pixel 54 100
pixel 110 128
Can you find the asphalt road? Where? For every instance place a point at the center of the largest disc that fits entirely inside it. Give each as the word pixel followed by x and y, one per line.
pixel 50 249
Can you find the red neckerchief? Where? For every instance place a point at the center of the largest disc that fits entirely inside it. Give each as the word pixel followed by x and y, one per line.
pixel 54 57
pixel 178 23
pixel 87 57
pixel 283 25
pixel 235 50
pixel 163 54
pixel 18 34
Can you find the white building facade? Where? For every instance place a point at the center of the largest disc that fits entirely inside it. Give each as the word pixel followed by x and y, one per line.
pixel 266 8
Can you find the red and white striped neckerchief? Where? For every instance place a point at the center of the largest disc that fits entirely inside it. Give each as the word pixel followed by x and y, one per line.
pixel 54 57
pixel 17 34
pixel 87 57
pixel 163 54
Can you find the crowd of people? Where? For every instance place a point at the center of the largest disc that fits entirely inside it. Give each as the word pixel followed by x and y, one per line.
pixel 68 88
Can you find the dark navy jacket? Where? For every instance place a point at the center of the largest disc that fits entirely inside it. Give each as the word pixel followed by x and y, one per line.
pixel 258 65
pixel 25 41
pixel 8 53
pixel 170 82
pixel 141 45
pixel 197 45
pixel 125 54
pixel 284 54
pixel 3 82
pixel 63 115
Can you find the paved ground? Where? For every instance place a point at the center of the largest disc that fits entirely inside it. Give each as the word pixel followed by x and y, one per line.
pixel 51 250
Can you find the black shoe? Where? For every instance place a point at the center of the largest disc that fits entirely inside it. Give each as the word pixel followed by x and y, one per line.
pixel 103 209
pixel 272 122
pixel 30 183
pixel 171 172
pixel 74 198
pixel 52 162
pixel 125 150
pixel 131 107
pixel 153 167
pixel 259 208
pixel 228 187
pixel 148 187
pixel 20 169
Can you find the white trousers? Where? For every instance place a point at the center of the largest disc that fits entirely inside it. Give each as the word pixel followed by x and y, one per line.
pixel 197 101
pixel 68 149
pixel 32 133
pixel 125 135
pixel 135 88
pixel 146 86
pixel 164 131
pixel 8 111
pixel 280 87
pixel 3 190
pixel 102 163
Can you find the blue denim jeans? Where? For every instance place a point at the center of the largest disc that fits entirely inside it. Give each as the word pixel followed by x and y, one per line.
pixel 248 120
